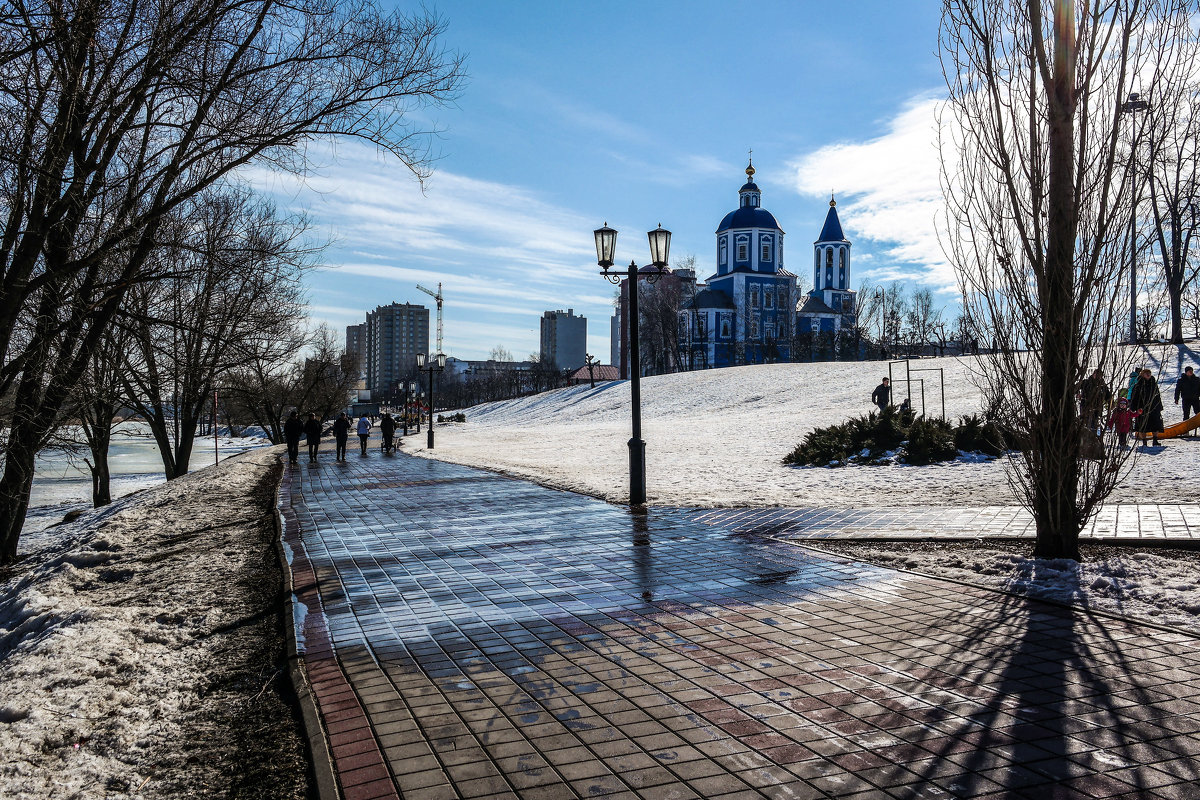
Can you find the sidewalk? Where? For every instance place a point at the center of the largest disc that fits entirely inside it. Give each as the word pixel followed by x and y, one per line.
pixel 469 635
pixel 1148 523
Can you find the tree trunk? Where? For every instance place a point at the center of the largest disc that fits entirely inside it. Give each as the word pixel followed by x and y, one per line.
pixel 15 486
pixel 1056 479
pixel 97 426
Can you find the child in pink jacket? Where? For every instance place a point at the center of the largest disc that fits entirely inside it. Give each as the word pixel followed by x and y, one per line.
pixel 1122 419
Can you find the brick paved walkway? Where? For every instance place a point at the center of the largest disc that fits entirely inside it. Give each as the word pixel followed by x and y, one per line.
pixel 1116 523
pixel 469 635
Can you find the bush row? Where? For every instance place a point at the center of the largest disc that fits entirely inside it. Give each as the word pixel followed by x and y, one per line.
pixel 894 436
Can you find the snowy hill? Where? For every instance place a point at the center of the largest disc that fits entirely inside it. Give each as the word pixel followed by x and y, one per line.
pixel 717 437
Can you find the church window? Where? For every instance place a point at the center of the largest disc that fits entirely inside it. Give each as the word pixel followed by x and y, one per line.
pixel 769 330
pixel 754 326
pixel 723 252
pixel 766 251
pixel 769 300
pixel 700 320
pixel 724 326
pixel 754 297
pixel 743 248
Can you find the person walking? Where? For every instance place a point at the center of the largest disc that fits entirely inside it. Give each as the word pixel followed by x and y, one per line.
pixel 1147 401
pixel 882 396
pixel 1121 420
pixel 387 427
pixel 364 431
pixel 293 429
pixel 1188 388
pixel 341 432
pixel 312 429
pixel 1094 397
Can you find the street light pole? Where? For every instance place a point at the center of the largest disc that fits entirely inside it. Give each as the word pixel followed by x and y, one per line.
pixel 434 366
pixel 660 245
pixel 1131 106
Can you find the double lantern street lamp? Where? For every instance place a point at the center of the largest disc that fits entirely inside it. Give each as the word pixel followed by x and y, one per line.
pixel 410 389
pixel 434 366
pixel 606 246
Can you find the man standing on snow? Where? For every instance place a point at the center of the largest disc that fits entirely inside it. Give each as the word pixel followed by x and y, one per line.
pixel 882 396
pixel 1188 387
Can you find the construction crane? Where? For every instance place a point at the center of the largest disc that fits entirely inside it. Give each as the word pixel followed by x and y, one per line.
pixel 438 298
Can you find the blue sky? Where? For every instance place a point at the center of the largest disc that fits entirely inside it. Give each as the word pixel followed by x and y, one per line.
pixel 576 114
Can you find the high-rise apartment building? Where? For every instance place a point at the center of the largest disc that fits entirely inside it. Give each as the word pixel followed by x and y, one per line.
pixel 395 333
pixel 356 340
pixel 564 339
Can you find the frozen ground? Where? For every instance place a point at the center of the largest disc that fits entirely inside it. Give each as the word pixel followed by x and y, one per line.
pixel 717 438
pixel 140 648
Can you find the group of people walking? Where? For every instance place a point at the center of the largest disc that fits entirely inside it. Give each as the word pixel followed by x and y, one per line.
pixel 312 430
pixel 1140 405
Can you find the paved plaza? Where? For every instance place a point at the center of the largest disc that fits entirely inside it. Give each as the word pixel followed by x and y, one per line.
pixel 471 635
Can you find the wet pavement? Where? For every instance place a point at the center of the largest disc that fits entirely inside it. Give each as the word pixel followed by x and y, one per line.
pixel 470 635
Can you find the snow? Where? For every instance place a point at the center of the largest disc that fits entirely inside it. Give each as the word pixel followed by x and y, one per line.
pixel 718 437
pixel 107 628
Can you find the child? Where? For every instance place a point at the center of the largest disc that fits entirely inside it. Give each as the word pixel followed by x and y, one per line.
pixel 1122 419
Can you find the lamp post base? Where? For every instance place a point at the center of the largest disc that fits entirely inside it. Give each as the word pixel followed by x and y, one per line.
pixel 637 472
pixel 429 439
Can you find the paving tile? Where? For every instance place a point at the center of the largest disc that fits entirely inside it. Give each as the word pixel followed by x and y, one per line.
pixel 490 638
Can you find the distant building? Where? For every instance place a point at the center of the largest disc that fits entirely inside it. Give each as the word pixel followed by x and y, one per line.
pixel 395 333
pixel 564 339
pixel 600 372
pixel 614 339
pixel 830 306
pixel 356 339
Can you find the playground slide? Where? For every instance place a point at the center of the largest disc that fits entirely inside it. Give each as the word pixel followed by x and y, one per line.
pixel 1177 430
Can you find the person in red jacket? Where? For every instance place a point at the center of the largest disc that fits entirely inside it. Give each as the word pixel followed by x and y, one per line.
pixel 1122 419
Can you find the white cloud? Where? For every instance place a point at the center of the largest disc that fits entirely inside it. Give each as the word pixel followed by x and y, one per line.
pixel 888 193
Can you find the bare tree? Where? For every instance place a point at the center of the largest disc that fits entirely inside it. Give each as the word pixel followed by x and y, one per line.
pixel 1170 128
pixel 921 320
pixel 238 270
pixel 1038 192
pixel 115 114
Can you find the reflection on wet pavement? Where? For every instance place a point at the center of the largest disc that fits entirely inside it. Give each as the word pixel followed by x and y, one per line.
pixel 509 640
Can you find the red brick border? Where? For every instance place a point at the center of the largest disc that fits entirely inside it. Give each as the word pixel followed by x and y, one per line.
pixel 358 763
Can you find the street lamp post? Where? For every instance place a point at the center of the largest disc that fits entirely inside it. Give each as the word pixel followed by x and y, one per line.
pixel 606 246
pixel 436 364
pixel 1131 106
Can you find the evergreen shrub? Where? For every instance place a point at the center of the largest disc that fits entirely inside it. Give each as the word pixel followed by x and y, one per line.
pixel 893 435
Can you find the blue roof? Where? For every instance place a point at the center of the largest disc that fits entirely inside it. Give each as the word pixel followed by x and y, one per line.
pixel 832 232
pixel 750 186
pixel 749 217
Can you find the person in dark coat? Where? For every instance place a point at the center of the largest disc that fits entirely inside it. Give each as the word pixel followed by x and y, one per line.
pixel 1094 397
pixel 1188 388
pixel 293 428
pixel 882 396
pixel 387 426
pixel 312 429
pixel 341 431
pixel 1146 400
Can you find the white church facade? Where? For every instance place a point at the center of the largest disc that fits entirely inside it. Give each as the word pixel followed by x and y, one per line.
pixel 750 311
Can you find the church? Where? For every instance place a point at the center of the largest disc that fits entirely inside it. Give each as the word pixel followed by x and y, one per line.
pixel 751 310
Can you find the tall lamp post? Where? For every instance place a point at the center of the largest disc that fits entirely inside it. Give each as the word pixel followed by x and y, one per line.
pixel 1131 106
pixel 660 246
pixel 436 364
pixel 410 389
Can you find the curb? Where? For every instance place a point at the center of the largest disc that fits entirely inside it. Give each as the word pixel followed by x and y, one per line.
pixel 318 745
pixel 347 757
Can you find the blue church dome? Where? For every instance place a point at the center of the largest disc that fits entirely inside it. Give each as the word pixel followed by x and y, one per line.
pixel 748 217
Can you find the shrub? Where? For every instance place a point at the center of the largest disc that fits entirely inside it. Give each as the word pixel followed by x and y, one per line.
pixel 975 435
pixel 458 417
pixel 929 441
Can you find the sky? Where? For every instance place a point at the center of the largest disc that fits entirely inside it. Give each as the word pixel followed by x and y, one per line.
pixel 634 114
